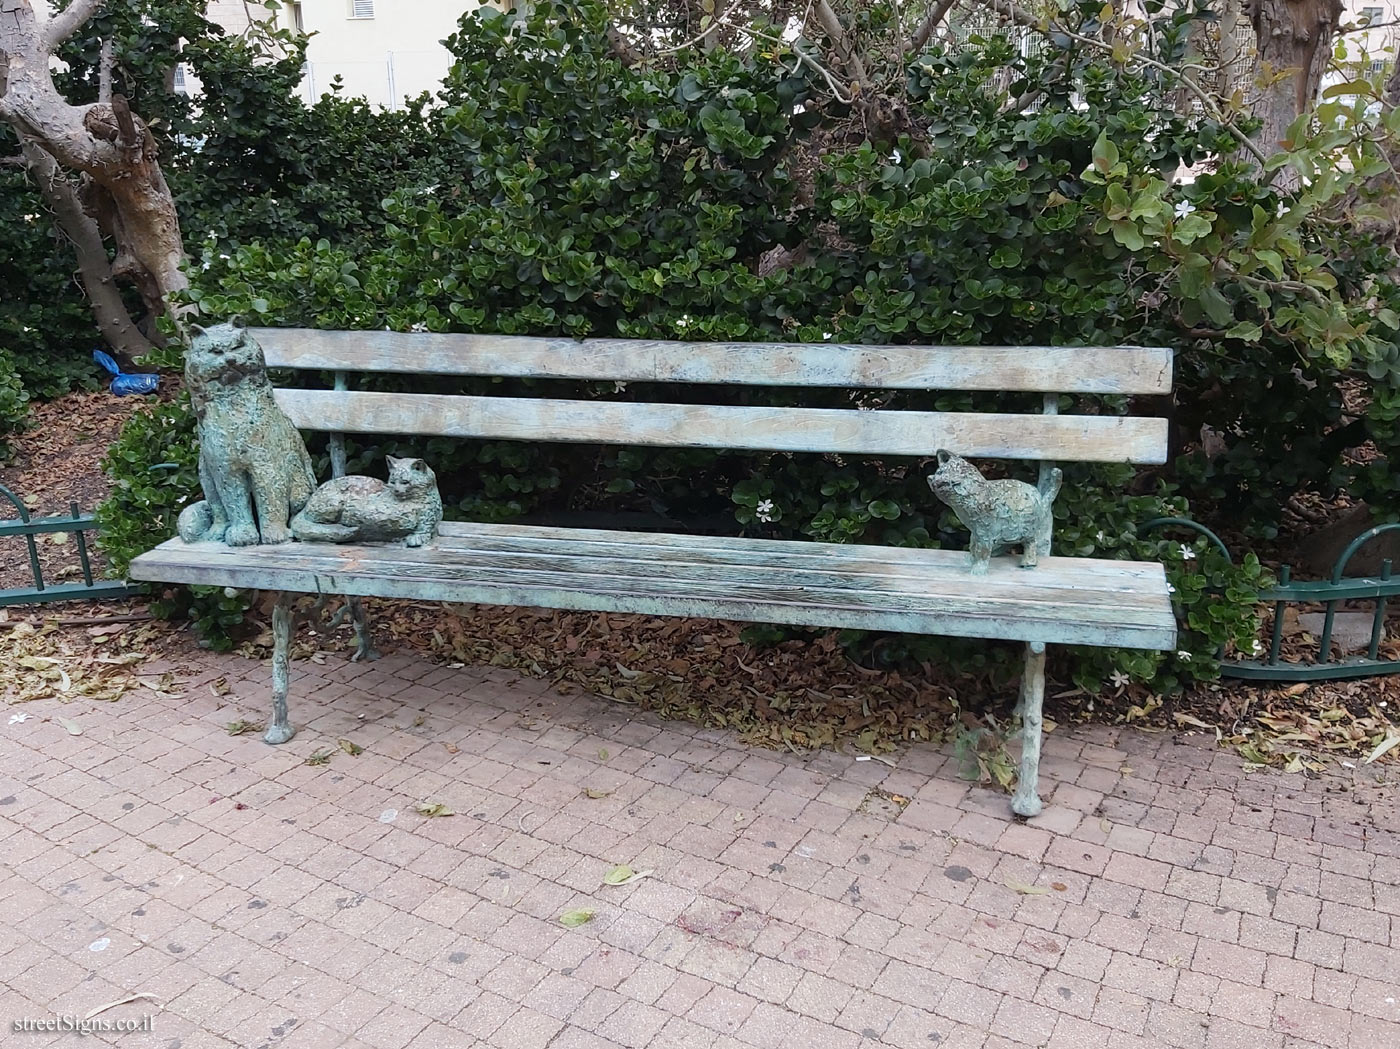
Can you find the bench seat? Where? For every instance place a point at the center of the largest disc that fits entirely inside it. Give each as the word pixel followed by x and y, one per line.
pixel 1066 600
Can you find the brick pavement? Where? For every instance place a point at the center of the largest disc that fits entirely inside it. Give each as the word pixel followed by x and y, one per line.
pixel 269 904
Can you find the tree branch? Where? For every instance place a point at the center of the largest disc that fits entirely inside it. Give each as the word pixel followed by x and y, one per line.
pixel 932 22
pixel 850 60
pixel 104 72
pixel 68 21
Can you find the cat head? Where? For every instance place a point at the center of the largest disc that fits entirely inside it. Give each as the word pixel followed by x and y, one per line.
pixel 955 475
pixel 223 355
pixel 409 478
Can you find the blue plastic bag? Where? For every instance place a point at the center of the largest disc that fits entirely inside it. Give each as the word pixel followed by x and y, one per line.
pixel 124 384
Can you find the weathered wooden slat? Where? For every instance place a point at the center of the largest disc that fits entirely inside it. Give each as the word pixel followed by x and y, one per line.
pixel 1064 600
pixel 1077 438
pixel 1053 369
pixel 673 549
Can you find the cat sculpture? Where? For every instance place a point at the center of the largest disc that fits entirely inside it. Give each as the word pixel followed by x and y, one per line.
pixel 253 465
pixel 999 514
pixel 357 509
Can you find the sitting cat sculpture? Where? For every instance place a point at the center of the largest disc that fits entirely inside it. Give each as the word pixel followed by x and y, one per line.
pixel 367 510
pixel 997 513
pixel 253 464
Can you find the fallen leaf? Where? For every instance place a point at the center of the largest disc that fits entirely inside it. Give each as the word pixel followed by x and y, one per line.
pixel 220 687
pixel 350 747
pixel 1105 826
pixel 120 1001
pixel 1383 748
pixel 433 808
pixel 624 875
pixel 241 727
pixel 603 754
pixel 1058 886
pixel 1027 890
pixel 321 757
pixel 595 793
pixel 573 919
pixel 72 726
pixel 1187 719
pixel 451 748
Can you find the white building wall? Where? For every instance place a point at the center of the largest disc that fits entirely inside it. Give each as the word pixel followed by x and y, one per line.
pixel 383 50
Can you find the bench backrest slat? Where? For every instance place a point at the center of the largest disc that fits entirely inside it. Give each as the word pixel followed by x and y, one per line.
pixel 1048 369
pixel 1080 438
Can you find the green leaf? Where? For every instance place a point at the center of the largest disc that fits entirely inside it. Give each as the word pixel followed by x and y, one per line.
pixel 1246 330
pixel 1105 153
pixel 579 916
pixel 433 808
pixel 1217 307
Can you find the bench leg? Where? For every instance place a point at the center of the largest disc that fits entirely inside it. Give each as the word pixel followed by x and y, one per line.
pixel 364 644
pixel 280 729
pixel 1026 801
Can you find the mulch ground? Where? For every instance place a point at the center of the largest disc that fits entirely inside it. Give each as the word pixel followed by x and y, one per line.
pixel 797 695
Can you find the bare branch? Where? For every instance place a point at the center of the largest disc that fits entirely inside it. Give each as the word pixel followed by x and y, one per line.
pixel 68 21
pixel 850 60
pixel 13 162
pixel 932 22
pixel 104 72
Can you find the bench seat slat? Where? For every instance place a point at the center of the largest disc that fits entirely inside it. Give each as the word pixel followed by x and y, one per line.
pixel 1078 438
pixel 1048 369
pixel 1064 600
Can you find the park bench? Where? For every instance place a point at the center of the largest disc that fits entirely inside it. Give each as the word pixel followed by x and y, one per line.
pixel 1075 601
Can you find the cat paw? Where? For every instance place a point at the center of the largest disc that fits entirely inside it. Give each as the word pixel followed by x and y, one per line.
pixel 413 540
pixel 241 535
pixel 274 534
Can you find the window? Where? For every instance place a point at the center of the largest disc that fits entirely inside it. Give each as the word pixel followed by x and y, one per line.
pixel 177 83
pixel 1372 15
pixel 361 8
pixel 296 18
pixel 1376 66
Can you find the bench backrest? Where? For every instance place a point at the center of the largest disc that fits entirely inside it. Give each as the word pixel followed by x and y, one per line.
pixel 1049 370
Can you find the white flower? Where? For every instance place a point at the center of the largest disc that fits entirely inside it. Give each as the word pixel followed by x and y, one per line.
pixel 612 176
pixel 230 592
pixel 18 719
pixel 419 327
pixel 1184 656
pixel 1099 536
pixel 1118 679
pixel 1187 554
pixel 619 386
pixel 1184 208
pixel 1257 648
pixel 896 156
pixel 764 510
pixel 1171 589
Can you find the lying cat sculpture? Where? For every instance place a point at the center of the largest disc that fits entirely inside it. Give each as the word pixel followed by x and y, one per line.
pixel 253 464
pixel 357 509
pixel 997 513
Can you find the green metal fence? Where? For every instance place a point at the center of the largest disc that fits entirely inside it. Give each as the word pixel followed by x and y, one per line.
pixel 27 529
pixel 1336 590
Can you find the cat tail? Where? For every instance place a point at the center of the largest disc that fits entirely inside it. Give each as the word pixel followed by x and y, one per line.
pixel 309 531
pixel 1050 485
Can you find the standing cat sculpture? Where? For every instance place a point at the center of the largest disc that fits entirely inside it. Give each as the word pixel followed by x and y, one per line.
pixel 253 464
pixel 367 510
pixel 997 513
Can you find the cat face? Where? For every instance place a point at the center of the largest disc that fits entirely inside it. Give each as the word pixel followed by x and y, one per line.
pixel 955 475
pixel 224 354
pixel 409 478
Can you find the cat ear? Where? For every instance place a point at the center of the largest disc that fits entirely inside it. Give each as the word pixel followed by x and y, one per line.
pixel 198 329
pixel 943 455
pixel 419 465
pixel 392 461
pixel 236 321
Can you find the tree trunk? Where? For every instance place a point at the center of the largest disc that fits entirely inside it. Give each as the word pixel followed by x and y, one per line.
pixel 108 309
pixel 1294 39
pixel 124 188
